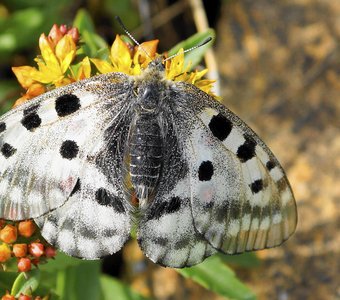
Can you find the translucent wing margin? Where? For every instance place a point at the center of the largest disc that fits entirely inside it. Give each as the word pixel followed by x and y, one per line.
pixel 241 199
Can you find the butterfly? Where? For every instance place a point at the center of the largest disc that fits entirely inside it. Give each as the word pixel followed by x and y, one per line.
pixel 92 160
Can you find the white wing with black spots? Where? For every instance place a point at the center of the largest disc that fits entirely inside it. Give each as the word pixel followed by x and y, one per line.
pixel 241 199
pixel 94 222
pixel 166 231
pixel 88 160
pixel 44 142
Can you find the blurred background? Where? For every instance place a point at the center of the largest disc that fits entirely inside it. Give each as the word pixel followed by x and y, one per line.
pixel 278 68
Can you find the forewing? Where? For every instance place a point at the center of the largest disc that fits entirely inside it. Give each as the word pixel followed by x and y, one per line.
pixel 241 199
pixel 45 142
pixel 166 232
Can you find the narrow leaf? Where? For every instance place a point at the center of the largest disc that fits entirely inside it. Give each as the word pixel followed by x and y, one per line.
pixel 245 260
pixel 219 278
pixel 195 56
pixel 26 283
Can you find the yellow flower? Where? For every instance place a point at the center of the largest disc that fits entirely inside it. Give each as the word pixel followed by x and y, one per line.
pixel 58 50
pixel 59 65
pixel 176 71
pixel 83 71
pixel 52 64
pixel 127 60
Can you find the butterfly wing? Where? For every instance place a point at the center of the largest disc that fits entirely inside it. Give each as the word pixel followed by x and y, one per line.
pixel 241 199
pixel 44 143
pixel 95 221
pixel 166 232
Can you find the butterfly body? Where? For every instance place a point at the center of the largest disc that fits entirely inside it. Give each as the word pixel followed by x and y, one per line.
pixel 72 158
pixel 145 142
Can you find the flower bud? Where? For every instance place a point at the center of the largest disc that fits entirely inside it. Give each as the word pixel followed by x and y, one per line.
pixel 36 249
pixel 7 297
pixel 20 250
pixel 74 32
pixel 5 253
pixel 50 252
pixel 8 234
pixel 24 264
pixel 26 228
pixel 24 297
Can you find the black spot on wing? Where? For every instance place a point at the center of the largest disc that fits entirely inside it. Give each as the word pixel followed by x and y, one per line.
pixel 230 208
pixel 31 120
pixel 69 149
pixel 256 186
pixel 87 232
pixel 103 197
pixel 220 126
pixel 183 243
pixel 67 104
pixel 2 126
pixel 247 150
pixel 76 188
pixel 270 165
pixel 7 150
pixel 31 109
pixel 205 171
pixel 173 205
pixel 68 225
pixel 164 208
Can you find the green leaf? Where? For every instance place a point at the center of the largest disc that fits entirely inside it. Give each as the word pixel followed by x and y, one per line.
pixel 91 41
pixel 6 281
pixel 195 56
pixel 113 287
pixel 60 262
pixel 26 283
pixel 245 260
pixel 79 282
pixel 219 278
pixel 83 21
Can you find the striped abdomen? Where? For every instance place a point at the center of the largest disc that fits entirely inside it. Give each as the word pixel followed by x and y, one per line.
pixel 145 153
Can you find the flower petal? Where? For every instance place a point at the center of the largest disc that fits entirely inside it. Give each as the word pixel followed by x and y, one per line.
pixel 65 52
pixel 84 70
pixel 103 66
pixel 145 53
pixel 47 52
pixel 120 53
pixel 24 75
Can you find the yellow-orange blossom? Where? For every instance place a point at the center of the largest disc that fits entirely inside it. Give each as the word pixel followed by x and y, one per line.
pixel 59 65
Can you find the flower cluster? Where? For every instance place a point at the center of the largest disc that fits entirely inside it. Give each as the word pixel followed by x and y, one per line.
pixel 21 297
pixel 18 240
pixel 61 62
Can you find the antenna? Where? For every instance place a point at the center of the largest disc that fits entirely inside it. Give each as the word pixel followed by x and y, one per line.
pixel 206 41
pixel 120 22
